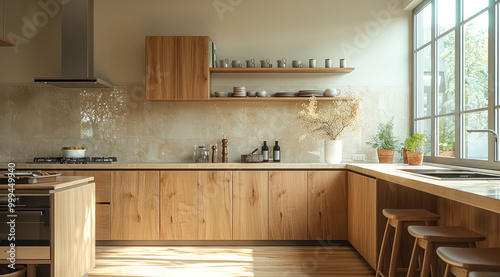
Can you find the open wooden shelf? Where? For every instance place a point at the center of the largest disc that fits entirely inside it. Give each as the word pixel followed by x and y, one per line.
pixel 4 42
pixel 281 70
pixel 271 99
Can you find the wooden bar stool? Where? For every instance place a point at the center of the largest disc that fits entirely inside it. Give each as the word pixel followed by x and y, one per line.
pixel 461 261
pixel 429 238
pixel 400 219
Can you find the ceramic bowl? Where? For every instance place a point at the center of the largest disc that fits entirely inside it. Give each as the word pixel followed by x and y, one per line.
pixel 251 93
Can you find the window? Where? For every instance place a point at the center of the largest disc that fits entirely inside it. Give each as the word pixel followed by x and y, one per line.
pixel 455 66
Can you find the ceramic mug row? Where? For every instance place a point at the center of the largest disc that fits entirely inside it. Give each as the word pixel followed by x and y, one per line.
pixel 280 63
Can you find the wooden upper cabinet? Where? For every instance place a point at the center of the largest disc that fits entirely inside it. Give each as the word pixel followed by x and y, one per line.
pixel 135 211
pixel 250 205
pixel 161 68
pixel 287 205
pixel 177 68
pixel 327 205
pixel 194 74
pixel 178 205
pixel 362 216
pixel 214 205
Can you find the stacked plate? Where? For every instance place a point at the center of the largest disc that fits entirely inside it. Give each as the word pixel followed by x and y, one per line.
pixel 239 91
pixel 285 94
pixel 310 93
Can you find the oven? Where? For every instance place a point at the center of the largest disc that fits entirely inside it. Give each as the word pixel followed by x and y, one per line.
pixel 32 220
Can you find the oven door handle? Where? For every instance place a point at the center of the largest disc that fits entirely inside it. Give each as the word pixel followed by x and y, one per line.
pixel 23 212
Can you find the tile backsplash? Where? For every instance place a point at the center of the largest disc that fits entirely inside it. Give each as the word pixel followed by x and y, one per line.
pixel 36 121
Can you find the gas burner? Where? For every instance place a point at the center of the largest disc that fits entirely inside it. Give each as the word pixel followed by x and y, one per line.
pixel 61 160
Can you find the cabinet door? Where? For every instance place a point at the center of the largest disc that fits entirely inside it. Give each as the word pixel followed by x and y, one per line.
pixel 178 205
pixel 134 205
pixel 194 74
pixel 327 205
pixel 250 205
pixel 287 205
pixel 101 180
pixel 214 205
pixel 161 68
pixel 362 216
pixel 102 216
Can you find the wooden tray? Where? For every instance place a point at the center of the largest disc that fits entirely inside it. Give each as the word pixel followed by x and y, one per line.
pixel 35 179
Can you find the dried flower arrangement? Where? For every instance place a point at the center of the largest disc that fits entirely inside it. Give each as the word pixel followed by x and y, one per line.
pixel 333 121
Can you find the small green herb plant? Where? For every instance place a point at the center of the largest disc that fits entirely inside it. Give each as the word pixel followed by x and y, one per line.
pixel 384 138
pixel 415 142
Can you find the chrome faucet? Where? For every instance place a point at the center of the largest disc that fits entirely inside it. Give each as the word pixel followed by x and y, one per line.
pixel 492 132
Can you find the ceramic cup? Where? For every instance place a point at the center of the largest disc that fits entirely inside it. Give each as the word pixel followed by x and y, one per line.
pixel 265 63
pixel 236 64
pixel 312 63
pixel 296 64
pixel 328 63
pixel 261 93
pixel 224 63
pixel 282 63
pixel 251 63
pixel 343 63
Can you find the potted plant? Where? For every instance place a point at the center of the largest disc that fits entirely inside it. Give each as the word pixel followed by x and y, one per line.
pixel 331 122
pixel 385 142
pixel 414 146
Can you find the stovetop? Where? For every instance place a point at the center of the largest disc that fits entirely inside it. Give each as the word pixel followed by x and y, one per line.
pixel 86 160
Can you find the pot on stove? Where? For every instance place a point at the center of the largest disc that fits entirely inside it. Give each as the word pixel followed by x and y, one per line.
pixel 73 152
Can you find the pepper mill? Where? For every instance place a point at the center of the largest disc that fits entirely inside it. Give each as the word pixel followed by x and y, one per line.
pixel 214 153
pixel 224 150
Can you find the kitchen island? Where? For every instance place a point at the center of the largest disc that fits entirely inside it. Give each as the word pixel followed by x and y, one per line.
pixel 71 250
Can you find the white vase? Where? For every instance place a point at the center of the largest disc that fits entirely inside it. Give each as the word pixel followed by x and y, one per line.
pixel 333 151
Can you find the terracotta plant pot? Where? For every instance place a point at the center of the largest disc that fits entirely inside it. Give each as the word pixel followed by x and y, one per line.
pixel 415 158
pixel 405 155
pixel 385 156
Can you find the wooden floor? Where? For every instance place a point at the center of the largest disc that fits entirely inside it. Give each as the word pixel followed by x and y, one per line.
pixel 229 261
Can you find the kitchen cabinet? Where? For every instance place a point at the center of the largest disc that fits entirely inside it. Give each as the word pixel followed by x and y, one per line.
pixel 135 209
pixel 327 205
pixel 101 179
pixel 178 205
pixel 214 205
pixel 250 205
pixel 177 68
pixel 287 205
pixel 362 215
pixel 102 195
pixel 102 223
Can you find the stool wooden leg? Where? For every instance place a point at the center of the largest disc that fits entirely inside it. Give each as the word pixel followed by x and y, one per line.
pixel 414 257
pixel 31 270
pixel 383 247
pixel 447 271
pixel 427 259
pixel 395 249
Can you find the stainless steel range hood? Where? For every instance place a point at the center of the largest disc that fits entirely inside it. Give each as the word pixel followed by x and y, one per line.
pixel 77 48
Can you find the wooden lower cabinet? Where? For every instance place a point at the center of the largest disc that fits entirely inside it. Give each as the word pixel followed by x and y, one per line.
pixel 287 205
pixel 135 209
pixel 214 205
pixel 178 205
pixel 101 179
pixel 250 205
pixel 327 205
pixel 102 223
pixel 362 216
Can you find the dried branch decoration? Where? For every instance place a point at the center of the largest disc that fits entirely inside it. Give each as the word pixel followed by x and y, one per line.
pixel 333 121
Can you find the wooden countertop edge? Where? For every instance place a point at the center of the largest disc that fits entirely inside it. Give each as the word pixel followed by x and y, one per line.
pixel 60 183
pixel 437 188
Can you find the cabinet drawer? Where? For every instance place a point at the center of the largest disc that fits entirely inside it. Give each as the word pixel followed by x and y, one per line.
pixel 101 180
pixel 27 252
pixel 102 227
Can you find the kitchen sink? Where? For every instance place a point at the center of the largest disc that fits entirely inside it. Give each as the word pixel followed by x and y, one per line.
pixel 452 174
